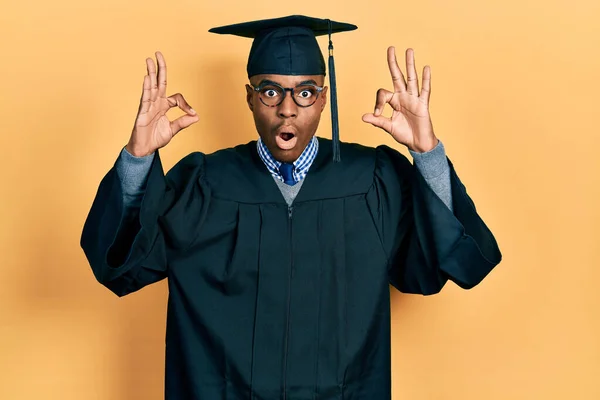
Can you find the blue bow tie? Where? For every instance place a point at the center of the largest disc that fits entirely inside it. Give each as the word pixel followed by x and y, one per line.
pixel 286 172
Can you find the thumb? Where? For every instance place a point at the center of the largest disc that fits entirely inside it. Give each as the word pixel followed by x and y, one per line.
pixel 378 121
pixel 183 122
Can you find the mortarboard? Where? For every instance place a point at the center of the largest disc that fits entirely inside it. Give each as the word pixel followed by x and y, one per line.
pixel 288 46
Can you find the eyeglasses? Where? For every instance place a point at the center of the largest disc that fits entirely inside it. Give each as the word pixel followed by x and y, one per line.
pixel 272 94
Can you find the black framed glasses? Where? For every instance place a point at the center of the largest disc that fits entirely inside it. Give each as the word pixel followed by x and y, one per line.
pixel 272 94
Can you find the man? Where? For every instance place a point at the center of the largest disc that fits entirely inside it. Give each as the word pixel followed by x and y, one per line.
pixel 280 252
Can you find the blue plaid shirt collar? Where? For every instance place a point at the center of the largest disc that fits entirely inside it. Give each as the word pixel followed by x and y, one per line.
pixel 301 165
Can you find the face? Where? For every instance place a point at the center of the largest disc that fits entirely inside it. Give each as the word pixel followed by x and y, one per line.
pixel 286 129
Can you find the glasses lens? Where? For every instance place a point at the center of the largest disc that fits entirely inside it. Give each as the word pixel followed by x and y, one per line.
pixel 271 95
pixel 305 95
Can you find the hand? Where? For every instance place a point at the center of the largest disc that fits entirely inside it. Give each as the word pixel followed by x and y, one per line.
pixel 410 123
pixel 152 129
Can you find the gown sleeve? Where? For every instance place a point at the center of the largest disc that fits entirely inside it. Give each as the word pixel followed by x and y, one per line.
pixel 129 248
pixel 426 243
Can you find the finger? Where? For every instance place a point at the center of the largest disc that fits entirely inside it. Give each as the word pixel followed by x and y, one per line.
pixel 426 87
pixel 397 76
pixel 183 122
pixel 378 121
pixel 145 102
pixel 152 73
pixel 177 100
pixel 162 75
pixel 383 97
pixel 412 85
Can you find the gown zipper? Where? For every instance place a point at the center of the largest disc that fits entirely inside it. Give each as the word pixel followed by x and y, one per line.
pixel 287 329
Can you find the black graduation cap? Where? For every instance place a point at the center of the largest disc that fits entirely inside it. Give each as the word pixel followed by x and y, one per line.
pixel 288 46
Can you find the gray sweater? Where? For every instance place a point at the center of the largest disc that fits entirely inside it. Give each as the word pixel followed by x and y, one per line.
pixel 133 173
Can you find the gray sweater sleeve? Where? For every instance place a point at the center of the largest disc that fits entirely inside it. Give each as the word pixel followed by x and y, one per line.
pixel 133 174
pixel 434 167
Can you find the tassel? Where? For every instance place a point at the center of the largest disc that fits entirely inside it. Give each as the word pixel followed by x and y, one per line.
pixel 335 129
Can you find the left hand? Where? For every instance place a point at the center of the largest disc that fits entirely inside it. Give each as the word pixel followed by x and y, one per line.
pixel 410 123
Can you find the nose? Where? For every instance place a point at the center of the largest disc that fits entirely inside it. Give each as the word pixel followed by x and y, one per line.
pixel 288 108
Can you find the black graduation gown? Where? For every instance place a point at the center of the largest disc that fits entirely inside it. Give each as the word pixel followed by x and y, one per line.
pixel 268 301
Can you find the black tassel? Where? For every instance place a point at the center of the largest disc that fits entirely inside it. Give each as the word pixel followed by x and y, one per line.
pixel 335 129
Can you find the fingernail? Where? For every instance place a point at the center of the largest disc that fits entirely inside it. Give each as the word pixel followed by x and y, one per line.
pixel 192 111
pixel 376 111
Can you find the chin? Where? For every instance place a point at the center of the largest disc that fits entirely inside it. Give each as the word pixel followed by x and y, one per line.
pixel 286 156
pixel 283 155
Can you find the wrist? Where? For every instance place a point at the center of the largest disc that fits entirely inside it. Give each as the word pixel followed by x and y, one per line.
pixel 424 146
pixel 137 151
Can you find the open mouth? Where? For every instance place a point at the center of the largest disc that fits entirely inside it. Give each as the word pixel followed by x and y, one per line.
pixel 286 135
pixel 286 140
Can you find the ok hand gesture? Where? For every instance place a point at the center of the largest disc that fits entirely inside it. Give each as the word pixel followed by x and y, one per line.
pixel 152 129
pixel 410 123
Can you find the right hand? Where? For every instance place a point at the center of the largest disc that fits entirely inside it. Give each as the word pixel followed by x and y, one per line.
pixel 152 129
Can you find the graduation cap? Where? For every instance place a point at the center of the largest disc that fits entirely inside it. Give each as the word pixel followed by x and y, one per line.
pixel 288 46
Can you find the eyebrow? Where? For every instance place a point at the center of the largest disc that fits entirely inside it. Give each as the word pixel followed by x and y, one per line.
pixel 269 82
pixel 309 82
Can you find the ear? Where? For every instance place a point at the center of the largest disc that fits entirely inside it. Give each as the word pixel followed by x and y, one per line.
pixel 323 97
pixel 249 95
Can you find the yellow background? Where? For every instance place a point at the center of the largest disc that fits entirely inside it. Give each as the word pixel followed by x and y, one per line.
pixel 514 98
